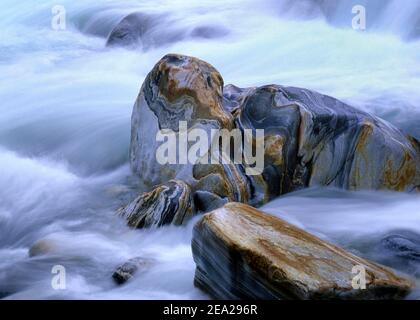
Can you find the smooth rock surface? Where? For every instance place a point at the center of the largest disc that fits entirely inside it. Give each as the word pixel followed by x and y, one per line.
pixel 243 253
pixel 179 88
pixel 169 203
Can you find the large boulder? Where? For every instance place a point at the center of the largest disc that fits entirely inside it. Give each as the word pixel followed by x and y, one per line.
pixel 312 139
pixel 179 88
pixel 243 253
pixel 309 139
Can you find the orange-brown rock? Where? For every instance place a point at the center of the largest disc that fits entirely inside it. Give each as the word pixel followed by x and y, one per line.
pixel 241 252
pixel 179 88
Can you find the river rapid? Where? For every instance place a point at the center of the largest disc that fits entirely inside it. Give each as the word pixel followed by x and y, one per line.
pixel 65 108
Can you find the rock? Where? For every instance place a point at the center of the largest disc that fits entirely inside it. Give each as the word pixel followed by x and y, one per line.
pixel 404 244
pixel 312 139
pixel 143 30
pixel 234 97
pixel 399 249
pixel 167 203
pixel 243 253
pixel 309 139
pixel 127 270
pixel 43 247
pixel 179 88
pixel 151 30
pixel 97 23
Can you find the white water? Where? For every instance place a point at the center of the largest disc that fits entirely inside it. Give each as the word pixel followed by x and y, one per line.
pixel 65 106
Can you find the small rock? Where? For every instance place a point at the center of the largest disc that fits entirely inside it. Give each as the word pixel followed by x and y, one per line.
pixel 169 203
pixel 127 270
pixel 42 247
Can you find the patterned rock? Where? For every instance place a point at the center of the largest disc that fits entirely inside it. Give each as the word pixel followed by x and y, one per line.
pixel 309 139
pixel 243 253
pixel 167 203
pixel 128 270
pixel 179 88
pixel 313 139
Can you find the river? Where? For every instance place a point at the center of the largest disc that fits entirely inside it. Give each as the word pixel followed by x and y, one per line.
pixel 66 102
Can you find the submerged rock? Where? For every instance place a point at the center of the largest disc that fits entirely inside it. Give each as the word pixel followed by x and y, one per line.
pixel 399 249
pixel 43 247
pixel 404 244
pixel 139 30
pixel 243 253
pixel 169 203
pixel 127 270
pixel 151 30
pixel 209 32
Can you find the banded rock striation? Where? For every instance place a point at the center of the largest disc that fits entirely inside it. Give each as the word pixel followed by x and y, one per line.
pixel 312 139
pixel 178 89
pixel 309 139
pixel 169 203
pixel 243 253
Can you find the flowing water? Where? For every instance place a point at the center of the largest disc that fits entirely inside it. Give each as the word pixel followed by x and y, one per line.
pixel 65 106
